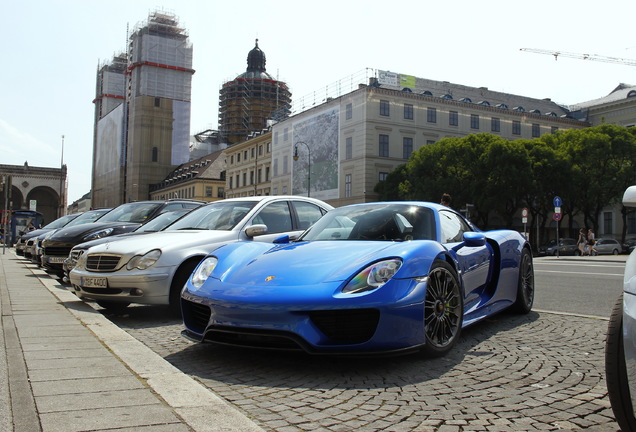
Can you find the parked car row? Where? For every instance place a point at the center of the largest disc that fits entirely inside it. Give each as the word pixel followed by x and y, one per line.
pixel 289 272
pixel 568 246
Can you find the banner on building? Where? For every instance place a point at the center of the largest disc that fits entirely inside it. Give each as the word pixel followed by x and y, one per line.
pixel 388 78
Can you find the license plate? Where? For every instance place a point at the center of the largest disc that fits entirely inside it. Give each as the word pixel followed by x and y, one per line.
pixel 93 282
pixel 57 260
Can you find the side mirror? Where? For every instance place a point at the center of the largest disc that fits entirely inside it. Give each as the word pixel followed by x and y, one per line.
pixel 629 197
pixel 256 230
pixel 474 239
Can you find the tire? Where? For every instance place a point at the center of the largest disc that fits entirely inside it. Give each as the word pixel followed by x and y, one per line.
pixel 178 281
pixel 113 306
pixel 615 252
pixel 616 372
pixel 525 284
pixel 443 310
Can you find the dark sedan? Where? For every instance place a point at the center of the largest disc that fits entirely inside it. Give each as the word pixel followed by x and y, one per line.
pixel 567 246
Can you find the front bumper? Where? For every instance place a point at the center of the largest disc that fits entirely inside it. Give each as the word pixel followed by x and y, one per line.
pixel 133 286
pixel 313 319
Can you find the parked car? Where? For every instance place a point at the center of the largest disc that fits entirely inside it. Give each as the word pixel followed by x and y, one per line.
pixel 34 245
pixel 567 246
pixel 119 220
pixel 629 245
pixel 608 246
pixel 366 278
pixel 620 343
pixel 152 269
pixel 21 243
pixel 157 224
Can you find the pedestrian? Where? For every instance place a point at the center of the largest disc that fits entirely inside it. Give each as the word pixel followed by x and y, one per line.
pixel 591 241
pixel 582 241
pixel 446 200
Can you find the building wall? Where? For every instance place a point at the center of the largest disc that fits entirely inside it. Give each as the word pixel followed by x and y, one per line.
pixel 244 161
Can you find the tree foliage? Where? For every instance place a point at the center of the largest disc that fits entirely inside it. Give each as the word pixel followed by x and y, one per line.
pixel 588 168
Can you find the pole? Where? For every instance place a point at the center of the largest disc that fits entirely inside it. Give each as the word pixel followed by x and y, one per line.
pixel 61 208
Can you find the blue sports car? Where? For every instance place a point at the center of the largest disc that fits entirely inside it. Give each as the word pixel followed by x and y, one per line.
pixel 365 279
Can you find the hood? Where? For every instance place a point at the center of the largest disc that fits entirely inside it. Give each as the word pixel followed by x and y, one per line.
pixel 164 240
pixel 35 233
pixel 304 263
pixel 76 233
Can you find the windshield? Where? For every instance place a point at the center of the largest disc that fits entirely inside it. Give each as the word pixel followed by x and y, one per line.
pixel 88 217
pixel 131 212
pixel 221 215
pixel 162 221
pixel 59 223
pixel 389 222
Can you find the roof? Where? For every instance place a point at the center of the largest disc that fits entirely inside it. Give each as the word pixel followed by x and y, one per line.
pixel 623 91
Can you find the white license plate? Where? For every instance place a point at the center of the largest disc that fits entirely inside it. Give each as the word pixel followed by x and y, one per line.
pixel 94 282
pixel 57 260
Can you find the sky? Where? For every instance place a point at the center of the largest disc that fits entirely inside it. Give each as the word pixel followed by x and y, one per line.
pixel 51 50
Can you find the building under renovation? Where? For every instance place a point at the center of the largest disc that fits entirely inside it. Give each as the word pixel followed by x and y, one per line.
pixel 142 112
pixel 251 99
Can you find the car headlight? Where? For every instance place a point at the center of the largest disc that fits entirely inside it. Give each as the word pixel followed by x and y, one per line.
pixel 203 271
pixel 142 262
pixel 98 234
pixel 373 277
pixel 81 261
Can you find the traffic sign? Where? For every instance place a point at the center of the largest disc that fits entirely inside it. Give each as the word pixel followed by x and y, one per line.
pixel 557 217
pixel 524 213
pixel 557 201
pixel 557 209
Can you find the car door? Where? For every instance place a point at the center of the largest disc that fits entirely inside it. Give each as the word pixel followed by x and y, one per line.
pixel 474 262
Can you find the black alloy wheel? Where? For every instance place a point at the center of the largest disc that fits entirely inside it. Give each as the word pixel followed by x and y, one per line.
pixel 525 285
pixel 443 309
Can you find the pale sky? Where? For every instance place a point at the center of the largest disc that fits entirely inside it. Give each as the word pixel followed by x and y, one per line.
pixel 51 50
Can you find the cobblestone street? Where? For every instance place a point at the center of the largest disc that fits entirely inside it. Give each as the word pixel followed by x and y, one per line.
pixel 536 372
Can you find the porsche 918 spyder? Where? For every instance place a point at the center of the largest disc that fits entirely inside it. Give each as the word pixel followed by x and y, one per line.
pixel 365 279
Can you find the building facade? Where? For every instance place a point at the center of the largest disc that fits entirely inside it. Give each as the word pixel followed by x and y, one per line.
pixel 201 179
pixel 45 188
pixel 143 136
pixel 249 166
pixel 340 150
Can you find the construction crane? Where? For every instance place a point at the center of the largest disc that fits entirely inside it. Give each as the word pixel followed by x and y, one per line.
pixel 557 54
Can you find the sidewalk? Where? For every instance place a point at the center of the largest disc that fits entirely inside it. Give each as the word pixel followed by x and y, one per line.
pixel 65 367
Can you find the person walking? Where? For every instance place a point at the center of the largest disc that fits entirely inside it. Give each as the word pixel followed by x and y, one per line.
pixel 591 241
pixel 582 241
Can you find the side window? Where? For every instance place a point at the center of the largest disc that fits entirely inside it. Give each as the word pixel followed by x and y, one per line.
pixel 276 216
pixel 453 227
pixel 307 213
pixel 170 207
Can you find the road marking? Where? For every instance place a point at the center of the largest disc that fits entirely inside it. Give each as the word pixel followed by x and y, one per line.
pixel 577 273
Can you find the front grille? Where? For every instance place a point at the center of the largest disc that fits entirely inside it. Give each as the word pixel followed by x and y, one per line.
pixel 57 251
pixel 102 263
pixel 347 326
pixel 254 338
pixel 196 315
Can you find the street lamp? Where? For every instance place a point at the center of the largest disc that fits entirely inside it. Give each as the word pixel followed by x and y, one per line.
pixel 309 162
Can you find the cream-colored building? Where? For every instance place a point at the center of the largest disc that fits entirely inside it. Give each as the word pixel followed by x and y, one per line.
pixel 248 166
pixel 346 145
pixel 201 179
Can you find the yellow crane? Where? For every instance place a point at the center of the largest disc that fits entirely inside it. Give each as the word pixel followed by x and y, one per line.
pixel 557 54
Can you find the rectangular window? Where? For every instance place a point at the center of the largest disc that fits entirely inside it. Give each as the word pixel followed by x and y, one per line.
pixel 244 179
pixel 608 227
pixel 259 178
pixel 231 178
pixel 251 177
pixel 453 118
pixel 208 191
pixel 260 150
pixel 536 130
pixel 431 115
pixel 253 152
pixel 220 192
pixel 158 102
pixel 237 181
pixel 384 146
pixel 285 134
pixel 384 108
pixel 383 176
pixel 516 127
pixel 495 124
pixel 631 223
pixel 349 148
pixel 407 147
pixel 429 142
pixel 408 111
pixel 349 111
pixel 553 129
pixel 474 121
pixel 285 164
pixel 347 185
pixel 238 157
pixel 266 173
pixel 232 160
